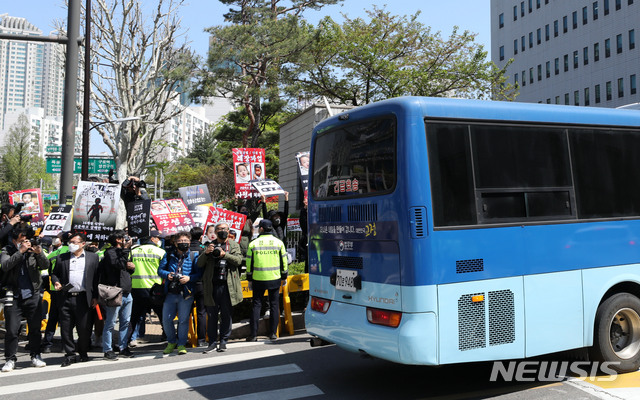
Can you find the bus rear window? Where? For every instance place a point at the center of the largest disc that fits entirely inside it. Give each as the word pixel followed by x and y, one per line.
pixel 355 160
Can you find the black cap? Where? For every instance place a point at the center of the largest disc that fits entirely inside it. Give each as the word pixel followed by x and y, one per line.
pixel 266 225
pixel 154 233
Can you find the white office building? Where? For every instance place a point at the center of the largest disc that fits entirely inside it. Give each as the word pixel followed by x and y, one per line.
pixel 578 52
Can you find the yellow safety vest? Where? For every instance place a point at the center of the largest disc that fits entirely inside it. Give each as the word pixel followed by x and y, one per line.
pixel 146 258
pixel 265 257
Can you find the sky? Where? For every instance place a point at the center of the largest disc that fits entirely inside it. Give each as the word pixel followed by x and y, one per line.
pixel 197 15
pixel 471 15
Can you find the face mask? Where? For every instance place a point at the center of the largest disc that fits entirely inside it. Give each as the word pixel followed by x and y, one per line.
pixel 276 222
pixel 73 247
pixel 183 246
pixel 223 235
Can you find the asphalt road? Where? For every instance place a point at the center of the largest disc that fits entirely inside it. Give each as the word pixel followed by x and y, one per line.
pixel 286 369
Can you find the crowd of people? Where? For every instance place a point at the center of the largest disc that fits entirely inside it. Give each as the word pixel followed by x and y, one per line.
pixel 93 285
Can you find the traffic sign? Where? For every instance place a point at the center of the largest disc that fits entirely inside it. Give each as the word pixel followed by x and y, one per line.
pixel 96 165
pixel 54 149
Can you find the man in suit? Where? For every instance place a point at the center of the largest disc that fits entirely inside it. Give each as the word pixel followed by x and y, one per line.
pixel 76 275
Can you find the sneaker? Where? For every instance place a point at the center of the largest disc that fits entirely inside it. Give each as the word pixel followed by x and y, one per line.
pixel 252 339
pixel 212 347
pixel 8 366
pixel 110 355
pixel 46 350
pixel 267 314
pixel 223 347
pixel 36 361
pixel 169 349
pixel 202 343
pixel 133 343
pixel 182 350
pixel 126 353
pixel 273 337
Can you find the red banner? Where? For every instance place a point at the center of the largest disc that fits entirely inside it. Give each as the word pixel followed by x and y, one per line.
pixel 235 220
pixel 32 205
pixel 171 216
pixel 249 164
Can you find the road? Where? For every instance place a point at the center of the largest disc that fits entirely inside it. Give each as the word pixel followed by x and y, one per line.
pixel 286 369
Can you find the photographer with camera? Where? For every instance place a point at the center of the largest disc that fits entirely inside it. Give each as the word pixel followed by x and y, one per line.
pixel 8 220
pixel 222 287
pixel 179 272
pixel 133 189
pixel 22 261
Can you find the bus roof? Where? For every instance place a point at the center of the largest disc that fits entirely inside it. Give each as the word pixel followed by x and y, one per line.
pixel 432 107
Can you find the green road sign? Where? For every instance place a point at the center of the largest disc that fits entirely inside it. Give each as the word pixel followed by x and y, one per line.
pixel 96 165
pixel 54 149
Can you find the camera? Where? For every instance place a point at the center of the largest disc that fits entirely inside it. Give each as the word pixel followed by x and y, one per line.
pixel 221 270
pixel 8 298
pixel 174 285
pixel 35 241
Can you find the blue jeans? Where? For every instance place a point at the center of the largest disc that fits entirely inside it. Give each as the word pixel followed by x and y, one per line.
pixel 124 315
pixel 176 304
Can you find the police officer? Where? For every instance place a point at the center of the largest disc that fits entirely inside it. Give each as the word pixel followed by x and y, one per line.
pixel 146 258
pixel 266 268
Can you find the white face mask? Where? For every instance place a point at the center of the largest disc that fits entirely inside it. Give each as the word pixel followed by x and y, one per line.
pixel 73 247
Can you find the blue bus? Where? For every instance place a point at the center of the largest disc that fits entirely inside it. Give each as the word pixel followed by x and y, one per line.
pixel 447 230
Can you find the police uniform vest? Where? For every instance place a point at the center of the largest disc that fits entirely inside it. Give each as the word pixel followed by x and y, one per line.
pixel 146 258
pixel 266 258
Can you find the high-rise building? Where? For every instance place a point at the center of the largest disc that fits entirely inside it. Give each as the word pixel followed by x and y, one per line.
pixel 579 52
pixel 31 81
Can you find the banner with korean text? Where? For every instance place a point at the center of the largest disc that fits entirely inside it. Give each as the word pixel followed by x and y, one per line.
pixel 171 216
pixel 235 220
pixel 198 201
pixel 59 220
pixel 31 200
pixel 249 164
pixel 95 210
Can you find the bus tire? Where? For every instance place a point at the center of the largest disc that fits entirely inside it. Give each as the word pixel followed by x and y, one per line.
pixel 617 333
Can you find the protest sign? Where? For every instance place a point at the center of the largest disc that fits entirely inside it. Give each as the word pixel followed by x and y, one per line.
pixel 31 200
pixel 95 210
pixel 171 216
pixel 198 201
pixel 303 168
pixel 138 213
pixel 267 188
pixel 249 164
pixel 235 220
pixel 59 220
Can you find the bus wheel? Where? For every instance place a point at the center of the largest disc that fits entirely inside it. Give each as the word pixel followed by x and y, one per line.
pixel 617 333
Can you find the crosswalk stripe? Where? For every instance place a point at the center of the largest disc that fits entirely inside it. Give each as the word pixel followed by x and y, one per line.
pixel 281 394
pixel 206 380
pixel 129 372
pixel 99 361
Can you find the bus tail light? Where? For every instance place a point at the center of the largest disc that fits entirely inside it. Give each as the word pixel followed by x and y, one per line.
pixel 320 305
pixel 384 317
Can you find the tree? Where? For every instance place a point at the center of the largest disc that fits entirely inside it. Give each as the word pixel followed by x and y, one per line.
pixel 21 167
pixel 246 58
pixel 359 62
pixel 139 70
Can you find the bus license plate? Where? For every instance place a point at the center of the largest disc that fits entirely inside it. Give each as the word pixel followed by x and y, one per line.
pixel 345 280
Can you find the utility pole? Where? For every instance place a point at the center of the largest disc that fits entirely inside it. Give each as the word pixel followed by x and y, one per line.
pixel 86 114
pixel 70 93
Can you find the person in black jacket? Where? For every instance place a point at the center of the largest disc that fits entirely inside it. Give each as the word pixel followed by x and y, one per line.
pixel 278 218
pixel 8 219
pixel 198 293
pixel 116 270
pixel 22 262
